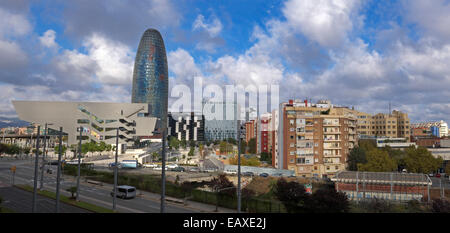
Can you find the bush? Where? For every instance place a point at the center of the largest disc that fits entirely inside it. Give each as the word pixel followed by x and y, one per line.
pixel 440 206
pixel 72 191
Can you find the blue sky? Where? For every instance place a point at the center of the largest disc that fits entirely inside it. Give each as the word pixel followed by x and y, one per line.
pixel 363 53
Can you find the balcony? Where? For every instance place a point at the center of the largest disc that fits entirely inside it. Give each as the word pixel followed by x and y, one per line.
pixel 332 132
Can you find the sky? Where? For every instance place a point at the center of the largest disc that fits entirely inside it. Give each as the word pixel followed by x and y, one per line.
pixel 365 53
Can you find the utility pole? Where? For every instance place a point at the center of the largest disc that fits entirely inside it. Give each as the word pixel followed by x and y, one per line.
pixel 239 170
pixel 115 170
pixel 79 169
pixel 36 168
pixel 43 159
pixel 163 174
pixel 58 173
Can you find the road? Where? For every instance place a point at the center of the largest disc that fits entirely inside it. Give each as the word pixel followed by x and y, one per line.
pixel 98 195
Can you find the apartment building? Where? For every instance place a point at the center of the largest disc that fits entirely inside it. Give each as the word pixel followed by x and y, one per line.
pixel 315 139
pixel 394 125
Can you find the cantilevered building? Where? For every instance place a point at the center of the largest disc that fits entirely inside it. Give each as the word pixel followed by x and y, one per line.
pixel 150 75
pixel 99 121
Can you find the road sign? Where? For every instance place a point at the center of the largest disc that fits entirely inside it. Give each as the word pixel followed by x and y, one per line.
pixel 13 168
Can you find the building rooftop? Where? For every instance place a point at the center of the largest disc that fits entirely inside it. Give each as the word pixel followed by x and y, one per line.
pixel 382 178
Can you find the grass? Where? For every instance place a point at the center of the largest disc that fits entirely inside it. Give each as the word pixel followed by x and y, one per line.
pixel 67 200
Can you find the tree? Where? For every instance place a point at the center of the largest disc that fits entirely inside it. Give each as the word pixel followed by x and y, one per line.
pixel 64 148
pixel 223 147
pixel 243 146
pixel 253 161
pixel 328 200
pixel 174 143
pixel 378 161
pixel 440 206
pixel 420 160
pixel 72 191
pixel 222 182
pixel 292 194
pixel 183 143
pixel 191 152
pixel 201 148
pixel 252 146
pixel 265 156
pixel 357 155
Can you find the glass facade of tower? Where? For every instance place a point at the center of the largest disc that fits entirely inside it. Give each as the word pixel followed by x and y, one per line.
pixel 150 75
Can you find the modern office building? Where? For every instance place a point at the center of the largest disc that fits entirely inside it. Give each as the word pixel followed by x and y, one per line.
pixel 187 126
pixel 150 75
pixel 221 120
pixel 315 139
pixel 437 129
pixel 99 121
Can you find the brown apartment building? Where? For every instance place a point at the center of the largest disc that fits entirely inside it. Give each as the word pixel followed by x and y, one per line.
pixel 315 139
pixel 394 125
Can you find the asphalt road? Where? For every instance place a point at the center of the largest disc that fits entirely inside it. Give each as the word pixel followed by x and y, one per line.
pixel 98 195
pixel 20 201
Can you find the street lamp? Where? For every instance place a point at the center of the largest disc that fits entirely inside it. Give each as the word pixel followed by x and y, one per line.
pixel 43 156
pixel 163 166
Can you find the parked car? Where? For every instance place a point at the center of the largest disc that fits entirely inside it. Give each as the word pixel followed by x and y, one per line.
pixel 150 165
pixel 210 170
pixel 194 169
pixel 248 174
pixel 125 192
pixel 278 174
pixel 158 168
pixel 230 172
pixel 431 175
pixel 171 166
pixel 438 175
pixel 264 174
pixel 113 164
pixel 178 169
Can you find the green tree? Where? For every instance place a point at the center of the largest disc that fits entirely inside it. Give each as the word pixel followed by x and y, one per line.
pixel 223 147
pixel 265 156
pixel 328 200
pixel 72 191
pixel 378 161
pixel 252 146
pixel 357 155
pixel 183 143
pixel 174 143
pixel 191 151
pixel 243 146
pixel 420 160
pixel 292 194
pixel 191 143
pixel 64 149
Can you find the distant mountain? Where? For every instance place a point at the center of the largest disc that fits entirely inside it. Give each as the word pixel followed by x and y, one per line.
pixel 12 122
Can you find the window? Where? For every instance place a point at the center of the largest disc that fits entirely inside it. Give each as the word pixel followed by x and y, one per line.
pixel 83 121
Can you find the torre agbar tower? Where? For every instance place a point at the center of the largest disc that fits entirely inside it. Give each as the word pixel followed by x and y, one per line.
pixel 150 75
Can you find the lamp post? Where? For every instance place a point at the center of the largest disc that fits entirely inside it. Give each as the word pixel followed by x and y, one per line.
pixel 115 170
pixel 163 166
pixel 79 169
pixel 36 172
pixel 44 154
pixel 58 173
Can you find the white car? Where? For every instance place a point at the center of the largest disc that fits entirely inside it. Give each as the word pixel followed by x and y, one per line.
pixel 150 165
pixel 159 168
pixel 172 166
pixel 230 172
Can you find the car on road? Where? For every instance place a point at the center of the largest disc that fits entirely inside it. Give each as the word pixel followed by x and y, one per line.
pixel 431 175
pixel 53 162
pixel 149 165
pixel 194 169
pixel 248 174
pixel 171 166
pixel 278 174
pixel 125 192
pixel 230 172
pixel 264 174
pixel 178 169
pixel 209 170
pixel 113 164
pixel 158 168
pixel 438 175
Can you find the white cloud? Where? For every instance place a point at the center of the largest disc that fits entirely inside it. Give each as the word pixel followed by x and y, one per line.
pixel 324 21
pixel 11 55
pixel 182 64
pixel 214 28
pixel 13 24
pixel 431 16
pixel 115 60
pixel 48 39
